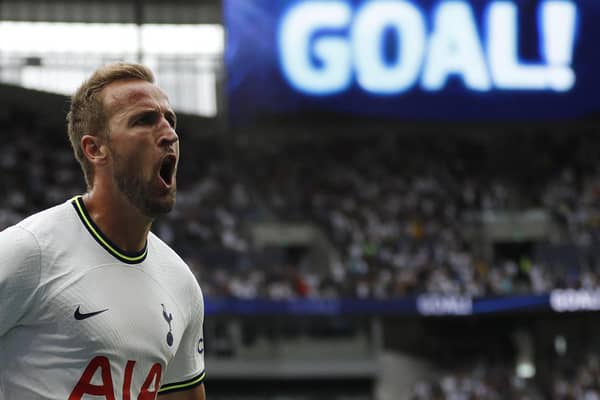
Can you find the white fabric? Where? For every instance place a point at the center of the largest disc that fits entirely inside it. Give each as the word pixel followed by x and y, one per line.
pixel 50 265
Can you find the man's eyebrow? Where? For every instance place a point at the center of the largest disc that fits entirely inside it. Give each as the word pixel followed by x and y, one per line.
pixel 170 114
pixel 141 111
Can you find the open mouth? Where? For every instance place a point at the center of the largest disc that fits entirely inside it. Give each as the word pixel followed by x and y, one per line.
pixel 167 169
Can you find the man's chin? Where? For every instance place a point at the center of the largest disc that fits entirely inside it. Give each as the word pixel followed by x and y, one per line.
pixel 161 206
pixel 150 199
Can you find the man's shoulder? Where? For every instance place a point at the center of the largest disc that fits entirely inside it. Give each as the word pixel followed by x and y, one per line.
pixel 17 241
pixel 53 217
pixel 172 267
pixel 163 251
pixel 47 227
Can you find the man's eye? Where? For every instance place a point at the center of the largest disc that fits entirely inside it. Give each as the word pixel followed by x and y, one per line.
pixel 145 120
pixel 171 121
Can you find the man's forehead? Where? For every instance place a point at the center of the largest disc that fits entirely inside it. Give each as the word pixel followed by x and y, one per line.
pixel 129 93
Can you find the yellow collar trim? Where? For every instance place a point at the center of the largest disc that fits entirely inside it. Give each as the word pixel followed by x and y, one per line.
pixel 126 257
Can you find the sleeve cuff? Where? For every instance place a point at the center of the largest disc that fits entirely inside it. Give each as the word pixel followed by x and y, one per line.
pixel 184 385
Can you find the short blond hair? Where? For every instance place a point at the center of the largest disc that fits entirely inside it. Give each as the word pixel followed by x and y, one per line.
pixel 87 115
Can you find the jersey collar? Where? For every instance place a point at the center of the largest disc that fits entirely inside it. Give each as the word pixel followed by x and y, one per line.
pixel 113 249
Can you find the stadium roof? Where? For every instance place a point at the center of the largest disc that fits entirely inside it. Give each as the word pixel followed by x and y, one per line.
pixel 113 11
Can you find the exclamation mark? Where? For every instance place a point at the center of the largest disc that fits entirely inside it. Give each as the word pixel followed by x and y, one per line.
pixel 559 20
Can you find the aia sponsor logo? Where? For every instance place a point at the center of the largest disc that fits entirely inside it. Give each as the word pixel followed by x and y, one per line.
pixel 100 366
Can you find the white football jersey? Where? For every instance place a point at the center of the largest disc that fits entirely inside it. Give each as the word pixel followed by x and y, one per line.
pixel 82 319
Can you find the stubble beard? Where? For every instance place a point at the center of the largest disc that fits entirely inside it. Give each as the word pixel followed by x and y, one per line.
pixel 139 192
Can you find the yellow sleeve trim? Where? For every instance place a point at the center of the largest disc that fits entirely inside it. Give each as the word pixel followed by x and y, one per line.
pixel 171 387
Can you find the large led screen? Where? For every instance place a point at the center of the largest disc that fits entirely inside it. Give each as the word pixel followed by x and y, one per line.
pixel 419 60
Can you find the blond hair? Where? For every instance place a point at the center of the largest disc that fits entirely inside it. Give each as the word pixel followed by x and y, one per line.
pixel 87 115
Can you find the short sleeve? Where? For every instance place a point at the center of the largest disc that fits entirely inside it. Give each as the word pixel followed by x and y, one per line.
pixel 20 270
pixel 186 370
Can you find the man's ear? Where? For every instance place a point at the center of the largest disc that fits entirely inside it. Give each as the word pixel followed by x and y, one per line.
pixel 95 149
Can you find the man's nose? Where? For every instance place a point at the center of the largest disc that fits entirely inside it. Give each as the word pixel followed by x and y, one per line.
pixel 168 136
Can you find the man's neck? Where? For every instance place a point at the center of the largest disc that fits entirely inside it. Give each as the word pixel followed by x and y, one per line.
pixel 118 219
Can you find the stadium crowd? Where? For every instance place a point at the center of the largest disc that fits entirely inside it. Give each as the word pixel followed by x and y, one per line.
pixel 400 224
pixel 480 381
pixel 577 378
pixel 397 211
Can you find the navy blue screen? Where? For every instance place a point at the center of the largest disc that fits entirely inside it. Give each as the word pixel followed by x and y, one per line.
pixel 456 63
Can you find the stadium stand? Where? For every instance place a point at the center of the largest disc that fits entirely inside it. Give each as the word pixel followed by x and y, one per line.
pixel 399 215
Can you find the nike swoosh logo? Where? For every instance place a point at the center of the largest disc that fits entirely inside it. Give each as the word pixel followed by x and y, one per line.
pixel 79 316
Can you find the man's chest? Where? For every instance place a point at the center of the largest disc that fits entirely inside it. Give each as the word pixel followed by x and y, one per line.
pixel 116 309
pixel 108 330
